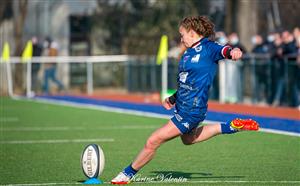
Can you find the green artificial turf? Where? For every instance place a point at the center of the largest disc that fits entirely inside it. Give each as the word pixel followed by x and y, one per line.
pixel 247 158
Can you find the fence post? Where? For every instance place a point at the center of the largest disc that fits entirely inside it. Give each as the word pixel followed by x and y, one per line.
pixel 164 77
pixel 286 80
pixel 153 75
pixel 269 86
pixel 90 78
pixel 222 81
pixel 126 75
pixel 253 79
pixel 9 79
pixel 28 80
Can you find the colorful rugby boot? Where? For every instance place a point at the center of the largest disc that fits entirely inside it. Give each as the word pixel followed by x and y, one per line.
pixel 121 179
pixel 244 124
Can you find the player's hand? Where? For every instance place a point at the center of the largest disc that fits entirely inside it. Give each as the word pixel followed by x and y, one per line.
pixel 167 104
pixel 236 53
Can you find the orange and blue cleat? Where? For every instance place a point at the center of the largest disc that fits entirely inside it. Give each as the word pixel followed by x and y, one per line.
pixel 244 124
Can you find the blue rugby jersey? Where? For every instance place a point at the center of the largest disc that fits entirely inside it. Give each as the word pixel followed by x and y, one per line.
pixel 196 72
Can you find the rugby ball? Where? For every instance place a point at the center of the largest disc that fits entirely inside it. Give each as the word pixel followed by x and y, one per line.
pixel 92 161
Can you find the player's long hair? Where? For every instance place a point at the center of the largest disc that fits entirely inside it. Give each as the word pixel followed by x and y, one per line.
pixel 200 24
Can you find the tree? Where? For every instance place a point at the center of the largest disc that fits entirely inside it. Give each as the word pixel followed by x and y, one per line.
pixel 20 13
pixel 135 26
pixel 16 11
pixel 5 10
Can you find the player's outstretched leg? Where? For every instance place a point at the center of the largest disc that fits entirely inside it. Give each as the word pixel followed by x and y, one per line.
pixel 160 136
pixel 208 131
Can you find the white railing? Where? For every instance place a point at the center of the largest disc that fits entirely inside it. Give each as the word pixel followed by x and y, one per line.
pixel 73 59
pixel 60 59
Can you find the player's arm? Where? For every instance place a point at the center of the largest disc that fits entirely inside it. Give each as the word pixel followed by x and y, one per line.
pixel 231 53
pixel 169 102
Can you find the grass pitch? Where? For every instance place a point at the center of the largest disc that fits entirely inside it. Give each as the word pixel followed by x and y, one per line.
pixel 42 144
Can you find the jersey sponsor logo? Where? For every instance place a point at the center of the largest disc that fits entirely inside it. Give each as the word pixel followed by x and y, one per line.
pixel 185 86
pixel 186 125
pixel 196 58
pixel 198 48
pixel 178 117
pixel 183 76
pixel 186 58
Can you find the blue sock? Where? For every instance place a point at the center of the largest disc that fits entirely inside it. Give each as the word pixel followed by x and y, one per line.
pixel 227 129
pixel 129 171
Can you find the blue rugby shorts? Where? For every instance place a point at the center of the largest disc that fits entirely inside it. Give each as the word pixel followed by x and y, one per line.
pixel 185 122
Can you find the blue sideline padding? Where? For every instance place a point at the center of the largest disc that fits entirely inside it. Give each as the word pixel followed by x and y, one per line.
pixel 281 124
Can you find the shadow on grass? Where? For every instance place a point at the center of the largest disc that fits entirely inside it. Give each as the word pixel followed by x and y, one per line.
pixel 190 175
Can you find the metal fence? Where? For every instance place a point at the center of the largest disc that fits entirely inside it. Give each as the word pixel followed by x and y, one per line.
pixel 255 79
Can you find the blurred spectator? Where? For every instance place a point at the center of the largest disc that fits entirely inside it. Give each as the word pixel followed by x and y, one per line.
pixel 271 37
pixel 289 44
pixel 277 68
pixel 286 54
pixel 37 50
pixel 232 92
pixel 296 33
pixel 234 41
pixel 278 46
pixel 259 46
pixel 221 38
pixel 50 69
pixel 261 68
pixel 296 70
pixel 297 38
pixel 274 45
pixel 289 50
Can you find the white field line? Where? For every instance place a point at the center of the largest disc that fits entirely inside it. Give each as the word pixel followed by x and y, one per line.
pixel 58 141
pixel 127 127
pixel 9 119
pixel 102 108
pixel 138 113
pixel 33 129
pixel 279 132
pixel 169 182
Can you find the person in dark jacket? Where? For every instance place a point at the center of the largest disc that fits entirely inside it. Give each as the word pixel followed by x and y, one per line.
pixel 261 68
pixel 37 50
